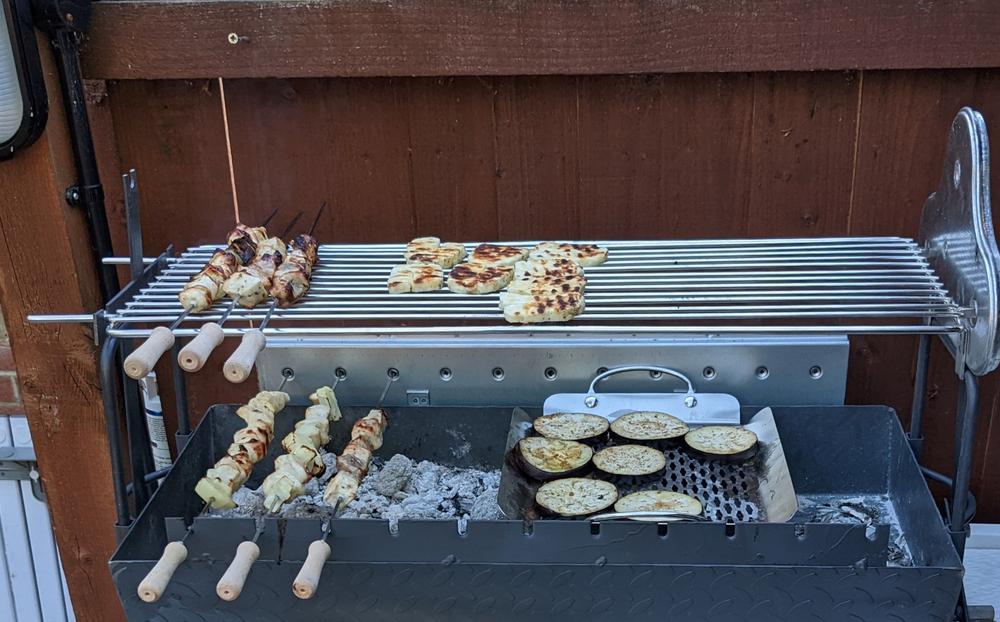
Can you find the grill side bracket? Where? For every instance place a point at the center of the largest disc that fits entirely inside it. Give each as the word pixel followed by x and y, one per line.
pixel 956 231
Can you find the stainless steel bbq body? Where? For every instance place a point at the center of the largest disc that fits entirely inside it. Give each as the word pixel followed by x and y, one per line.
pixel 765 320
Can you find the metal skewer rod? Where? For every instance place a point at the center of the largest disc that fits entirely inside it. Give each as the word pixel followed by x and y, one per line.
pixel 288 228
pixel 268 219
pixel 316 220
pixel 231 584
pixel 153 585
pixel 194 355
pixel 393 376
pixel 238 366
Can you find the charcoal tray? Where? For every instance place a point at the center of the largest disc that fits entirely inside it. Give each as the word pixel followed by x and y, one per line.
pixel 512 569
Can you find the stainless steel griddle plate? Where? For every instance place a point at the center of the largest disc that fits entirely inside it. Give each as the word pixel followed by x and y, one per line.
pixel 957 232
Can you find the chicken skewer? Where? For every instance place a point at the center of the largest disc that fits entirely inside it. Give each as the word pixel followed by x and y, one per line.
pixel 250 284
pixel 155 582
pixel 249 447
pixel 354 461
pixel 302 461
pixel 366 437
pixel 291 279
pixel 197 295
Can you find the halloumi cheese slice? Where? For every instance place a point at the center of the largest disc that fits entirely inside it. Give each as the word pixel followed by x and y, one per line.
pixel 474 278
pixel 497 255
pixel 413 278
pixel 447 255
pixel 557 267
pixel 586 255
pixel 529 284
pixel 421 245
pixel 532 309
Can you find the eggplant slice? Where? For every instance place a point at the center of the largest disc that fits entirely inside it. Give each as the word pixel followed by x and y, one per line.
pixel 549 458
pixel 659 501
pixel 572 426
pixel 576 496
pixel 723 442
pixel 648 426
pixel 630 460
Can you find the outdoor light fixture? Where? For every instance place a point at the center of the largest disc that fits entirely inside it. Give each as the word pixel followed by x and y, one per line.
pixel 23 102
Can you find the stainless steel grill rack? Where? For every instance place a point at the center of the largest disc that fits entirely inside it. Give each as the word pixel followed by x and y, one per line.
pixel 823 285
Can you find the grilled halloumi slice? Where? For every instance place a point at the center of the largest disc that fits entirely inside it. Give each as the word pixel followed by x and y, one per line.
pixel 413 278
pixel 497 255
pixel 547 285
pixel 586 255
pixel 422 245
pixel 474 278
pixel 447 255
pixel 532 309
pixel 552 267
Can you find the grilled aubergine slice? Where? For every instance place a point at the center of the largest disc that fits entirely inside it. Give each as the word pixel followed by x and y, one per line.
pixel 649 427
pixel 549 458
pixel 659 501
pixel 576 496
pixel 630 460
pixel 722 442
pixel 582 427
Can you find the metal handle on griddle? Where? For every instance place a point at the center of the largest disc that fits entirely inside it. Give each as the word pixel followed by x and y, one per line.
pixel 591 399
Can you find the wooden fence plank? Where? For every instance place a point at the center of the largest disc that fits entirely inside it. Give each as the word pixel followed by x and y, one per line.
pixel 165 39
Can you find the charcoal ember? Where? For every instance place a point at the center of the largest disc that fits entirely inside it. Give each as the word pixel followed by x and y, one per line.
pixel 485 506
pixel 392 477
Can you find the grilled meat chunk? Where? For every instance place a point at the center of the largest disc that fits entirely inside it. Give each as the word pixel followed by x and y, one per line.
pixel 251 284
pixel 291 279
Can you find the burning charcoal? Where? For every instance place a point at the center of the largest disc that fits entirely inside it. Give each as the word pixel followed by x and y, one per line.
pixel 485 507
pixel 393 477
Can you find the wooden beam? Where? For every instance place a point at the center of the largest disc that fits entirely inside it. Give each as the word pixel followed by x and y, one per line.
pixel 46 265
pixel 301 38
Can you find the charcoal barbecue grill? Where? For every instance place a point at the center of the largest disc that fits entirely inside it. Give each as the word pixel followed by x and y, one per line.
pixel 765 320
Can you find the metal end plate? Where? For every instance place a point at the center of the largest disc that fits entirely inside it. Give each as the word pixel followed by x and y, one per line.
pixel 957 233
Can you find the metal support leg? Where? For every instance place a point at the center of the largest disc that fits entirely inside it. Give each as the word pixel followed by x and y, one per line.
pixel 138 438
pixel 109 393
pixel 180 399
pixel 919 396
pixel 967 419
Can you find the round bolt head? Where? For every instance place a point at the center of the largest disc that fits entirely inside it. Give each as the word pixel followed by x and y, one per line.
pixel 233 38
pixel 590 401
pixel 690 401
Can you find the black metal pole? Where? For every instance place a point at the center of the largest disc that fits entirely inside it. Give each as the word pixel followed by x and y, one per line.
pixel 88 193
pixel 967 419
pixel 109 393
pixel 140 456
pixel 919 396
pixel 180 394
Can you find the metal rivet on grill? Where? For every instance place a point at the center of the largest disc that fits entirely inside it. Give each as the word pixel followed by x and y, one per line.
pixel 590 401
pixel 655 375
pixel 708 373
pixel 762 372
pixel 815 372
pixel 498 373
pixel 445 374
pixel 690 401
pixel 551 373
pixel 601 370
pixel 340 373
pixel 392 372
pixel 288 373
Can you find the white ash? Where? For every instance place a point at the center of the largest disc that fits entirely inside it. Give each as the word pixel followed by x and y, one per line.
pixel 399 489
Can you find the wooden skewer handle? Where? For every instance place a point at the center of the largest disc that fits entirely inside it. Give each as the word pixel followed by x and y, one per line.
pixel 230 586
pixel 308 578
pixel 193 356
pixel 153 586
pixel 240 364
pixel 143 359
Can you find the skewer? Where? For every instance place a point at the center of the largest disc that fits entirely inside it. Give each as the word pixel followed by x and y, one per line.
pixel 307 580
pixel 194 355
pixel 322 207
pixel 143 359
pixel 268 219
pixel 238 366
pixel 231 584
pixel 153 585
